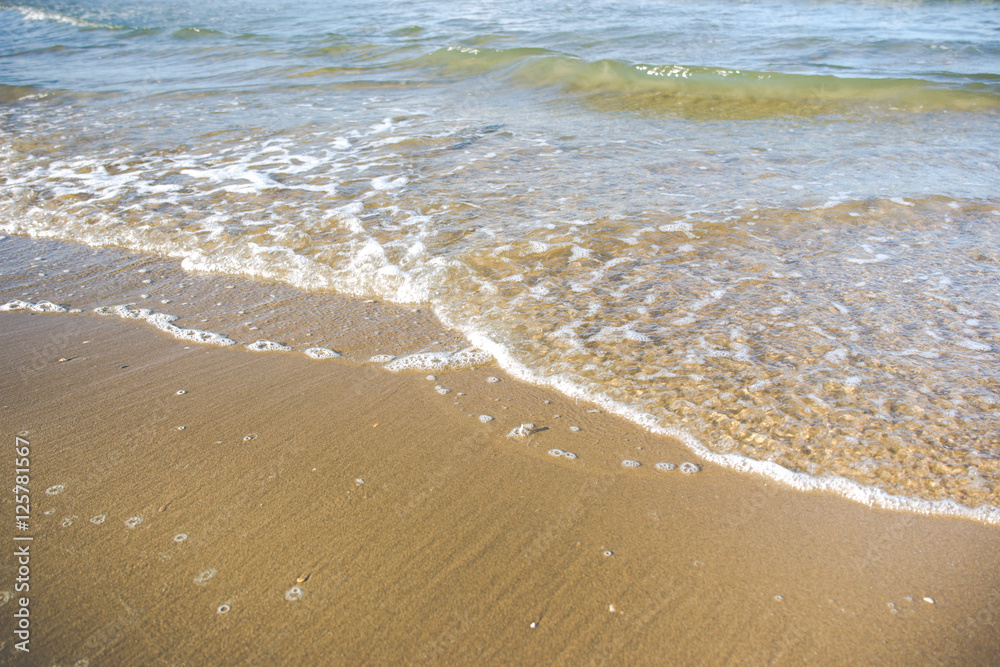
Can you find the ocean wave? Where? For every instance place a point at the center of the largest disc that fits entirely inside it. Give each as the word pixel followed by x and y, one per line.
pixel 38 14
pixel 676 87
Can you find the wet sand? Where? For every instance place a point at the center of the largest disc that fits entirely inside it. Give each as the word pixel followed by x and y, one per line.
pixel 334 513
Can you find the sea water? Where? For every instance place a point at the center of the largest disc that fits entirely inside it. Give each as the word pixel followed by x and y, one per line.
pixel 771 229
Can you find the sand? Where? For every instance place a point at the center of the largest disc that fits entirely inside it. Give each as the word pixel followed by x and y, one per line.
pixel 296 511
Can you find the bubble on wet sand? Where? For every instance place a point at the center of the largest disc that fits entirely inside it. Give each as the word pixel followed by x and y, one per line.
pixel 16 304
pixel 68 521
pixel 630 463
pixel 165 323
pixel 607 553
pixel 249 436
pixel 55 490
pixel 666 467
pixel 294 593
pixel 521 431
pixel 492 378
pixel 574 428
pixel 562 453
pixel 205 576
pixel 322 353
pixel 40 307
pixel 133 521
pixel 431 378
pixel 441 390
pixel 440 361
pixel 223 608
pixel 689 468
pixel 180 537
pixel 181 392
pixel 381 359
pixel 99 519
pixel 267 346
pixel 485 418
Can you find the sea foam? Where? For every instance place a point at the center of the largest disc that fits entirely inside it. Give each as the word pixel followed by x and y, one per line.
pixel 440 361
pixel 165 323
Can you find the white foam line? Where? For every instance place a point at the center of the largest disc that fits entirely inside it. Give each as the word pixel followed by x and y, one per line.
pixel 844 487
pixel 40 307
pixel 164 322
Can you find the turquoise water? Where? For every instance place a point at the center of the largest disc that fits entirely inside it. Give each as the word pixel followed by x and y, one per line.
pixel 769 228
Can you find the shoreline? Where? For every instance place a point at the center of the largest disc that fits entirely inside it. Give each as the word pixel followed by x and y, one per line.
pixel 363 328
pixel 424 535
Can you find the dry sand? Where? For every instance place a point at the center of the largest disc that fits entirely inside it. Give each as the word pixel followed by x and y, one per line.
pixel 332 513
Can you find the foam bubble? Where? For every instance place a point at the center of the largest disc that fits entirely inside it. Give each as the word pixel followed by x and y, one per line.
pixel 561 453
pixel 322 353
pixel 294 593
pixel 205 576
pixel 55 490
pixel 441 390
pixel 388 183
pixel 133 521
pixel 974 345
pixel 689 468
pixel 665 466
pixel 440 361
pixel 521 431
pixel 180 537
pixel 223 609
pixel 98 520
pixel 381 359
pixel 267 346
pixel 629 463
pixel 40 307
pixel 165 323
pixel 485 418
pixel 676 227
pixel 47 307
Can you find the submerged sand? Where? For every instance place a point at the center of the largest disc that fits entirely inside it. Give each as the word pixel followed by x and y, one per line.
pixel 220 506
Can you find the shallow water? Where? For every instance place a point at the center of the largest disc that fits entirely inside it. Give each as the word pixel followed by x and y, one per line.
pixel 770 228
